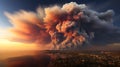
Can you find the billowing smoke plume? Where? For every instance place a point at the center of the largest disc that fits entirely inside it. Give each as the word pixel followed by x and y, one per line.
pixel 69 26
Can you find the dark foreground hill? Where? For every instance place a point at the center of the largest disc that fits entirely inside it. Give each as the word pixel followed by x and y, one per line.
pixel 66 58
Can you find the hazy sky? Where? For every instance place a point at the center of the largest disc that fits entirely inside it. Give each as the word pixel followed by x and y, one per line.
pixel 12 6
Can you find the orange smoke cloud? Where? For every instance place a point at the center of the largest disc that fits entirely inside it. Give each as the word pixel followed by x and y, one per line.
pixel 61 27
pixel 27 27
